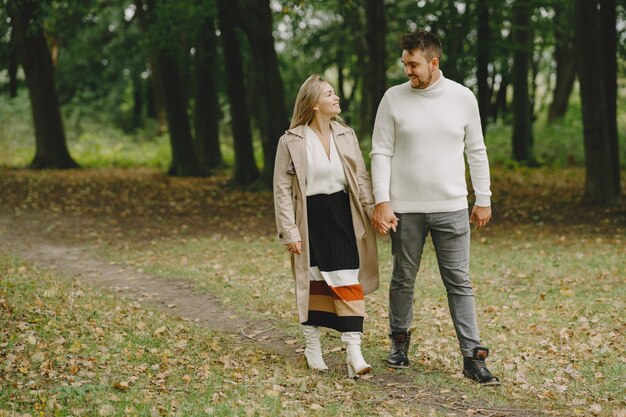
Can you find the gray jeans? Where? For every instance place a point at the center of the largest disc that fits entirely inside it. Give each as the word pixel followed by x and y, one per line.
pixel 451 237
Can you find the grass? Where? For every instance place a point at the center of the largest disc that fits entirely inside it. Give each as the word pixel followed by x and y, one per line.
pixel 69 349
pixel 94 140
pixel 549 307
pixel 549 279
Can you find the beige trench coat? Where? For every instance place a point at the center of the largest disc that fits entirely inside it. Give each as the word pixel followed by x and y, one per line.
pixel 290 206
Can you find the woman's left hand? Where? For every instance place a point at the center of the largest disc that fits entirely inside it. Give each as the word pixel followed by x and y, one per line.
pixel 295 247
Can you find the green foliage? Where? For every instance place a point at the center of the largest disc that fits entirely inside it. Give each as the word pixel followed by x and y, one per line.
pixel 558 144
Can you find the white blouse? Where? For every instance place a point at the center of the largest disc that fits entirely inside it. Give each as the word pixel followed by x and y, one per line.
pixel 323 175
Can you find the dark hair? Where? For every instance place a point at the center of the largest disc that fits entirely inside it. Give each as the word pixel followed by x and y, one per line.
pixel 423 40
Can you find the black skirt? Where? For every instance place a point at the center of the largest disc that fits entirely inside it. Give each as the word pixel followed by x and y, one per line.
pixel 336 296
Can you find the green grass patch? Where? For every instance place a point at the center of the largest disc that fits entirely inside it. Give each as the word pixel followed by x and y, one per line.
pixel 69 349
pixel 549 306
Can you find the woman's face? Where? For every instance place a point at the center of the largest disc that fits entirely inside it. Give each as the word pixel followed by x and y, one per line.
pixel 328 102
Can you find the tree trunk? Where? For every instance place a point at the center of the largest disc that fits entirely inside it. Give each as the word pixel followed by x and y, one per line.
pixel 184 160
pixel 608 33
pixel 599 181
pixel 207 111
pixel 483 46
pixel 376 69
pixel 246 171
pixel 271 115
pixel 499 108
pixel 138 101
pixel 155 94
pixel 522 117
pixel 13 62
pixel 565 59
pixel 51 148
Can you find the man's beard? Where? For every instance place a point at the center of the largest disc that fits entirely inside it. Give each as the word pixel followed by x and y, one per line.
pixel 424 84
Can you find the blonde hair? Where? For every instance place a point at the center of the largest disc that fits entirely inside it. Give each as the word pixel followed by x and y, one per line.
pixel 308 95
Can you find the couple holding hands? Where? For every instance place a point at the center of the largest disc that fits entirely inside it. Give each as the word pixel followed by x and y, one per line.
pixel 328 210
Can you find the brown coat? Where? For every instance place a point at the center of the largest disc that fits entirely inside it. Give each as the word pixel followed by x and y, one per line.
pixel 290 206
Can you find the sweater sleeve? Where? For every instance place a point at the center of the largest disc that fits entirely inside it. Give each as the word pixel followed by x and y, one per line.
pixel 383 143
pixel 476 153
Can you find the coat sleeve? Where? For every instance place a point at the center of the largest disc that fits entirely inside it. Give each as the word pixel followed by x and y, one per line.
pixel 366 198
pixel 283 190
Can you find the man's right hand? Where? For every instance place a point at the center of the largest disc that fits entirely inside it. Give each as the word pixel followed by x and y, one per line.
pixel 384 218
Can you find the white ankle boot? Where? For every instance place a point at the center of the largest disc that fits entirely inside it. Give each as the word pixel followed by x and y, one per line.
pixel 313 350
pixel 354 359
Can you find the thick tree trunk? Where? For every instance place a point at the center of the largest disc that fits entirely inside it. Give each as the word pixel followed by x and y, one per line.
pixel 246 171
pixel 376 69
pixel 608 31
pixel 271 111
pixel 522 115
pixel 565 59
pixel 184 160
pixel 599 181
pixel 51 148
pixel 482 62
pixel 207 112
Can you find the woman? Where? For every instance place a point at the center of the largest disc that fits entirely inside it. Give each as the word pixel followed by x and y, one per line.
pixel 331 241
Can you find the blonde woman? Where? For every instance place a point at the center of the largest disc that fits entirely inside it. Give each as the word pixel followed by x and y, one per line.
pixel 323 202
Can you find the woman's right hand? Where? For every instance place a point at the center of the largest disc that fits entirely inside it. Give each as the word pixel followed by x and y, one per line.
pixel 294 247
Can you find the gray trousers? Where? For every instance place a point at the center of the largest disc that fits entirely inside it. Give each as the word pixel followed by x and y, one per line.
pixel 451 237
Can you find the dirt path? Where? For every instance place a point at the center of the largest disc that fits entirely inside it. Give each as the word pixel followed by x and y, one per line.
pixel 176 297
pixel 23 237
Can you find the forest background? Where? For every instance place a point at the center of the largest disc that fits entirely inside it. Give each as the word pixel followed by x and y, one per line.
pixel 137 140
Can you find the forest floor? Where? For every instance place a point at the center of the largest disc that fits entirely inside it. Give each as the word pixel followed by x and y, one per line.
pixel 195 255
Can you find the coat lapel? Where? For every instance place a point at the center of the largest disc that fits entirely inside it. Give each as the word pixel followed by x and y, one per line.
pixel 297 150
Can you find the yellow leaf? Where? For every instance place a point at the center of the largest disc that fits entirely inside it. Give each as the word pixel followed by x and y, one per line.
pixel 75 347
pixel 122 386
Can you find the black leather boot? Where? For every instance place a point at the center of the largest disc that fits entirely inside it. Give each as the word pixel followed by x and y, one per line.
pixel 398 357
pixel 475 369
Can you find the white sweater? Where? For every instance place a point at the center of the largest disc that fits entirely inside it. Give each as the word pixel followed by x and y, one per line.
pixel 419 139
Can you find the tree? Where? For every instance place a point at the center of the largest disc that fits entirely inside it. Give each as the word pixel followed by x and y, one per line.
pixel 375 74
pixel 271 116
pixel 12 65
pixel 27 23
pixel 608 42
pixel 600 187
pixel 207 112
pixel 165 51
pixel 522 114
pixel 483 46
pixel 565 60
pixel 246 171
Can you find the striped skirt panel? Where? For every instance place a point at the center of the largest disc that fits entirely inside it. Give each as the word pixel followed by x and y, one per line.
pixel 336 296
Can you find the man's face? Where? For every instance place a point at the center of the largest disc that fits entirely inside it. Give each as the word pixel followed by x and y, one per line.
pixel 418 68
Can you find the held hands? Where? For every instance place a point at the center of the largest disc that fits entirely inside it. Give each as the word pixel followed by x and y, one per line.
pixel 294 247
pixel 480 216
pixel 383 218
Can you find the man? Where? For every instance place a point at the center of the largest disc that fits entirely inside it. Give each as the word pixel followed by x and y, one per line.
pixel 422 129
